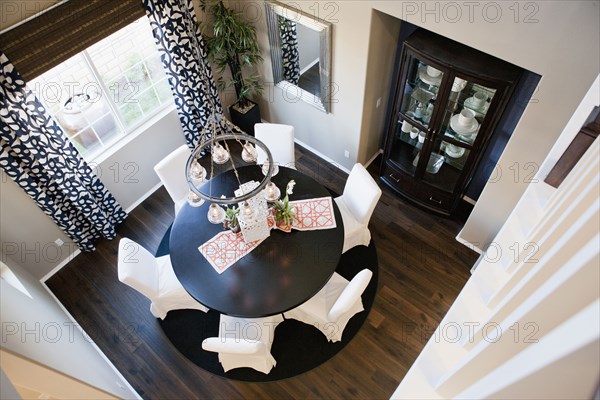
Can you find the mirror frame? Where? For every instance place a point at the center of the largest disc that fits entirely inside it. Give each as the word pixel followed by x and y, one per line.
pixel 275 9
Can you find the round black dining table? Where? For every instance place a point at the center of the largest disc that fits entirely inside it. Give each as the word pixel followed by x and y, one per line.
pixel 285 270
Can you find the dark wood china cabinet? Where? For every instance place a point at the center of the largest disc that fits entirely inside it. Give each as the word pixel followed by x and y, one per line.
pixel 445 105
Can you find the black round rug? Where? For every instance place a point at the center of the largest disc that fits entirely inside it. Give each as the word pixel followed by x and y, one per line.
pixel 297 347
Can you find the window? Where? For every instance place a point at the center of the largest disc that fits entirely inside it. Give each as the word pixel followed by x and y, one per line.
pixel 108 90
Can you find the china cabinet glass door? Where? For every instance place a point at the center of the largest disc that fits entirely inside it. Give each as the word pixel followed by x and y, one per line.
pixel 463 116
pixel 414 117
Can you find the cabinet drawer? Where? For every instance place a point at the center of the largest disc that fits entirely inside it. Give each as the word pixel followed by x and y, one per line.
pixel 397 179
pixel 435 199
pixel 422 194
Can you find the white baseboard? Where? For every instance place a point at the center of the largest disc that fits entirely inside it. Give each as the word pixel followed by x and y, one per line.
pixel 60 265
pixel 468 244
pixel 469 200
pixel 321 155
pixel 309 66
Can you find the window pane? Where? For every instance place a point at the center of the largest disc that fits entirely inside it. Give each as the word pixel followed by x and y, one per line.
pixel 129 65
pixel 131 113
pixel 106 91
pixel 163 88
pixel 148 100
pixel 75 99
pixel 85 141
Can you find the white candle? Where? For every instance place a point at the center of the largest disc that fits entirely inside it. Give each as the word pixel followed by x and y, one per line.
pixel 248 210
pixel 216 214
pixel 272 192
pixel 220 155
pixel 197 171
pixel 220 152
pixel 249 153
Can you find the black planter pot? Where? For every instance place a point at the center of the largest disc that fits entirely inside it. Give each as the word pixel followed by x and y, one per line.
pixel 245 121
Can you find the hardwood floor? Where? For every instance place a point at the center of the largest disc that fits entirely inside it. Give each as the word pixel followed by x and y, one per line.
pixel 311 80
pixel 422 270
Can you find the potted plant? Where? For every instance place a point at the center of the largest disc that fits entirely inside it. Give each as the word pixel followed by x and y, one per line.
pixel 232 42
pixel 231 219
pixel 284 213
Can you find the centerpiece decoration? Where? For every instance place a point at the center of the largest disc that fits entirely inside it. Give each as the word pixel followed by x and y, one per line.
pixel 284 212
pixel 231 219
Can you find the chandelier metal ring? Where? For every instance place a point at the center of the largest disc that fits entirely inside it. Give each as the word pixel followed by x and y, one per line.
pixel 205 145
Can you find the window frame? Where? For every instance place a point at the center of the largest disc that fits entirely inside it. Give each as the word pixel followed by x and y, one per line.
pixel 126 134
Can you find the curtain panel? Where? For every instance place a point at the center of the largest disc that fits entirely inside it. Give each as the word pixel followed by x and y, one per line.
pixel 290 57
pixel 36 154
pixel 177 35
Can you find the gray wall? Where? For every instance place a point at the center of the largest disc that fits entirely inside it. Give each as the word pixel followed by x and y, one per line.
pixel 27 234
pixel 37 328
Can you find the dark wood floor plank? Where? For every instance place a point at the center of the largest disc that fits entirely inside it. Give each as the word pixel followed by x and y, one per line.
pixel 421 271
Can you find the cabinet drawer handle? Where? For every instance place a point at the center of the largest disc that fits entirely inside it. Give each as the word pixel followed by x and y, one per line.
pixel 435 200
pixel 394 178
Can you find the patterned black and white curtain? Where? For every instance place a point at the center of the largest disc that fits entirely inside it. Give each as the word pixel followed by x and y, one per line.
pixel 37 155
pixel 177 35
pixel 290 56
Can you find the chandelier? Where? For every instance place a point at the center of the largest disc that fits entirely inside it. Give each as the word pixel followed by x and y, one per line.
pixel 214 153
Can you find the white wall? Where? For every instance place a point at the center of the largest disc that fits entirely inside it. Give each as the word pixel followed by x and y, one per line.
pixel 38 329
pixel 589 102
pixel 308 45
pixel 35 381
pixel 28 235
pixel 526 327
pixel 557 39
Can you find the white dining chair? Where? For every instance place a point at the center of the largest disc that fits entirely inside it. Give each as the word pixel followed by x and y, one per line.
pixel 280 141
pixel 356 205
pixel 171 171
pixel 333 306
pixel 245 342
pixel 154 278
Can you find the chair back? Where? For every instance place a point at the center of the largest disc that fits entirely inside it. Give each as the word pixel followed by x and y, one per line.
pixel 234 346
pixel 350 295
pixel 171 171
pixel 138 268
pixel 280 141
pixel 361 194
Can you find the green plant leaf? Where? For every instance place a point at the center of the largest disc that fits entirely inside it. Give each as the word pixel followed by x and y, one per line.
pixel 232 42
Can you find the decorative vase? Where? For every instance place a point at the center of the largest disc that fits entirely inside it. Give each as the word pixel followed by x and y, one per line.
pixel 245 121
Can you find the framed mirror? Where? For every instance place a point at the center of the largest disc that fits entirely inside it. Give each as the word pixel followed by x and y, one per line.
pixel 300 54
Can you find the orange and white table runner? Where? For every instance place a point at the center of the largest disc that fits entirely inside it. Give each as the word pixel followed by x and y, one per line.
pixel 313 214
pixel 226 248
